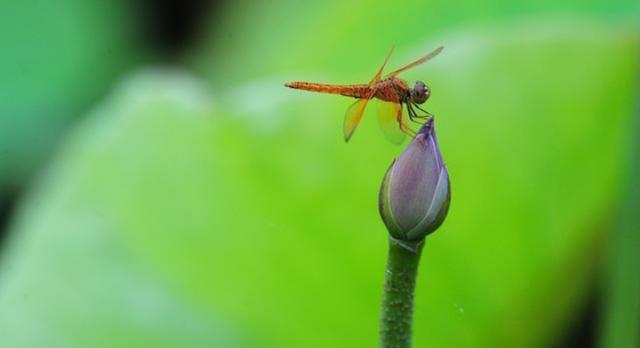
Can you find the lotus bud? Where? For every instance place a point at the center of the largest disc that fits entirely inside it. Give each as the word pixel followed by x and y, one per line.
pixel 415 193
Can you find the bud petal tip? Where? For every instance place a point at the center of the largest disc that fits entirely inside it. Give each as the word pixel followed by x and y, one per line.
pixel 415 192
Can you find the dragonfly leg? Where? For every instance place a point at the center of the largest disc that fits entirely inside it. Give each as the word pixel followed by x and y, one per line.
pixel 427 115
pixel 405 128
pixel 413 116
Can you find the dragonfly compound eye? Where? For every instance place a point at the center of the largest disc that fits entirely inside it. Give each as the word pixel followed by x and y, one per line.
pixel 420 93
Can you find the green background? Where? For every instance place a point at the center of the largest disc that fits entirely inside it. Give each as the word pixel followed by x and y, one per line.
pixel 202 204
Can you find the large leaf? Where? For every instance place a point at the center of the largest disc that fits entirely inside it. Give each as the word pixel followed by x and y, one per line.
pixel 57 58
pixel 170 219
pixel 621 327
pixel 345 41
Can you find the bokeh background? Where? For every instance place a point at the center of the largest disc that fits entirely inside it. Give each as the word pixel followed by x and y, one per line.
pixel 160 188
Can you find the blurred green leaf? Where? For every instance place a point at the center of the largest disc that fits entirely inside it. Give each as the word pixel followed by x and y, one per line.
pixel 57 58
pixel 621 327
pixel 346 40
pixel 172 218
pixel 97 291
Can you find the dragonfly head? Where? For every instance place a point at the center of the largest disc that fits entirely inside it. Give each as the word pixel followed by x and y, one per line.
pixel 420 93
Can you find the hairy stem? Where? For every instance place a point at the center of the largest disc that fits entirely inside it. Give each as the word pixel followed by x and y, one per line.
pixel 397 299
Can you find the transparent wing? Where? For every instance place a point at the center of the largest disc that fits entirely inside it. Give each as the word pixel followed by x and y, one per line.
pixel 378 74
pixel 390 121
pixel 353 116
pixel 356 110
pixel 417 62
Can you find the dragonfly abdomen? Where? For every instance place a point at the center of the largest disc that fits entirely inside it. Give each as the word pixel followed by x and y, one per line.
pixel 355 91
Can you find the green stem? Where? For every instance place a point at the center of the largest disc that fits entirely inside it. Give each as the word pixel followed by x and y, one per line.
pixel 397 300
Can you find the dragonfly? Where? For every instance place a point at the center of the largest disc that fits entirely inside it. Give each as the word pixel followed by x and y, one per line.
pixel 390 92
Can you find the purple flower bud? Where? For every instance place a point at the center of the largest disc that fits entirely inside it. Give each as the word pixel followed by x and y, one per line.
pixel 415 193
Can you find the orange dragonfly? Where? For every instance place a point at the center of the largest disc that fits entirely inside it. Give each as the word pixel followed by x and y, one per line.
pixel 390 91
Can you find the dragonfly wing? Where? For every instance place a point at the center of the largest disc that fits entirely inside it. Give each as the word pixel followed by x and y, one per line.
pixel 390 121
pixel 378 74
pixel 417 62
pixel 353 117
